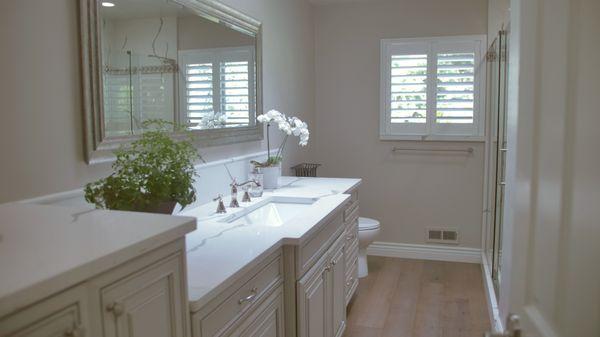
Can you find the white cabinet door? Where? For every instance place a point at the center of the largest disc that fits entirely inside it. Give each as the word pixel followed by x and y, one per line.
pixel 63 315
pixel 146 304
pixel 337 276
pixel 322 297
pixel 313 297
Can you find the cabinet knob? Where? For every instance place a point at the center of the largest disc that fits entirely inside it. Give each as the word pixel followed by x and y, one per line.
pixel 116 308
pixel 74 332
pixel 350 281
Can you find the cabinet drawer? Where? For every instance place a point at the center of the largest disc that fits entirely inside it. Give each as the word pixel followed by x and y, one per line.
pixel 351 254
pixel 351 209
pixel 146 303
pixel 313 249
pixel 64 314
pixel 351 281
pixel 351 213
pixel 351 232
pixel 266 321
pixel 241 300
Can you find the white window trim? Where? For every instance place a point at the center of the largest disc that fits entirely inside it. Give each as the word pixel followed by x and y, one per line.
pixel 385 132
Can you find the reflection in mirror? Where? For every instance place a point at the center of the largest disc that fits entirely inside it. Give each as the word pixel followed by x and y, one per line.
pixel 161 60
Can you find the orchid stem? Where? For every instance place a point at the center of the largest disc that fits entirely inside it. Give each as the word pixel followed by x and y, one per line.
pixel 268 143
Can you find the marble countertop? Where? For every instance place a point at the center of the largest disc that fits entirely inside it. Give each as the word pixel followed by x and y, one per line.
pixel 219 252
pixel 45 249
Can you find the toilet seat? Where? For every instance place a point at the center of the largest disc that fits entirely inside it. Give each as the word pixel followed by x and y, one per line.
pixel 365 224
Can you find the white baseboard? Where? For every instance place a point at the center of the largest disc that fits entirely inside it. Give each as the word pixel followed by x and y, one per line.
pixel 425 252
pixel 490 294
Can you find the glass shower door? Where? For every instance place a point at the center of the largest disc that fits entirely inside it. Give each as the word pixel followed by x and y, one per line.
pixel 501 149
pixel 497 70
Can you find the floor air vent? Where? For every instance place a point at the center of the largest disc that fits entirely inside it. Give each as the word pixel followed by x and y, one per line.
pixel 439 235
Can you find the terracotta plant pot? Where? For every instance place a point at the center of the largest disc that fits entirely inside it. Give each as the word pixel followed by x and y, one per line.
pixel 165 207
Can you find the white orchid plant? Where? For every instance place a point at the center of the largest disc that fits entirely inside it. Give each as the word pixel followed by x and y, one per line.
pixel 289 126
pixel 213 120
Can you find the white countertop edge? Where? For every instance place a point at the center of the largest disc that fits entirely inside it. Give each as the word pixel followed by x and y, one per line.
pixel 63 281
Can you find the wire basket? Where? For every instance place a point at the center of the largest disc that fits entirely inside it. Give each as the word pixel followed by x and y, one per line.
pixel 306 169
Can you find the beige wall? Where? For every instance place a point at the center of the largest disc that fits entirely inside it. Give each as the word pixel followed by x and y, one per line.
pixel 498 17
pixel 40 90
pixel 406 192
pixel 199 33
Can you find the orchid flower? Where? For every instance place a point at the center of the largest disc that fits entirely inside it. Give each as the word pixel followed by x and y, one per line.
pixel 288 125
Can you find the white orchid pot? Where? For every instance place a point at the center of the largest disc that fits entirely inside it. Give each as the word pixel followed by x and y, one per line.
pixel 271 176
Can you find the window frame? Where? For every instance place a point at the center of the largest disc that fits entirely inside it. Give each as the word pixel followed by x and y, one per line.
pixel 432 131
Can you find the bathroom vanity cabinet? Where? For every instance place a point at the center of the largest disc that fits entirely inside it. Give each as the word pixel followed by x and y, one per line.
pixel 141 298
pixel 133 284
pixel 254 305
pixel 301 289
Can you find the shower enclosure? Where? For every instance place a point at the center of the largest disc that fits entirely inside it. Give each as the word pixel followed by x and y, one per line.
pixel 497 68
pixel 137 88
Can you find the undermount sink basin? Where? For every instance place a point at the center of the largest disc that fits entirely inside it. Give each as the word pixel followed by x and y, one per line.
pixel 273 211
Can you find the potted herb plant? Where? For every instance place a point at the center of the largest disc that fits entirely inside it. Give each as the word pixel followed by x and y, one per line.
pixel 271 168
pixel 153 174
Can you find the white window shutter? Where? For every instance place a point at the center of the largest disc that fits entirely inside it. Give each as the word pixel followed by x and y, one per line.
pixel 459 72
pixel 405 84
pixel 235 92
pixel 198 86
pixel 431 88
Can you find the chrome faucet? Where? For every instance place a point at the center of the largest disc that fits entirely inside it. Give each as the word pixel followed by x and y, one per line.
pixel 234 190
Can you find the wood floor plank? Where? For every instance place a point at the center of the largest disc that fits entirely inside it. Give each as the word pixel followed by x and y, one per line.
pixel 416 298
pixel 379 298
pixel 428 318
pixel 401 315
pixel 359 331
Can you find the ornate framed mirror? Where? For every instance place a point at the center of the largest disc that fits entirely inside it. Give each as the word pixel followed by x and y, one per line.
pixel 195 63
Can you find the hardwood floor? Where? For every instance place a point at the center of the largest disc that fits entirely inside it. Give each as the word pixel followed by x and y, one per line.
pixel 417 298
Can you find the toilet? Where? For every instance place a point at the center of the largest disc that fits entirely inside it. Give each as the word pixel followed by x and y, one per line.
pixel 368 229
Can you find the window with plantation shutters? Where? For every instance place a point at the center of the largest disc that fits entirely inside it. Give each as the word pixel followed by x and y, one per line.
pixel 218 87
pixel 431 88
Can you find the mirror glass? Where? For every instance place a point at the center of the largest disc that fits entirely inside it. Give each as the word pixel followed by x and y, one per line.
pixel 161 60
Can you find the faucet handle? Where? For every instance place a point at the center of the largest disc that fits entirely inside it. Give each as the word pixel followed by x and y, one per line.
pixel 221 206
pixel 246 197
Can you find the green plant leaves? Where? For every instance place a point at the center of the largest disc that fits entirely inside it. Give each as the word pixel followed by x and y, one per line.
pixel 155 169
